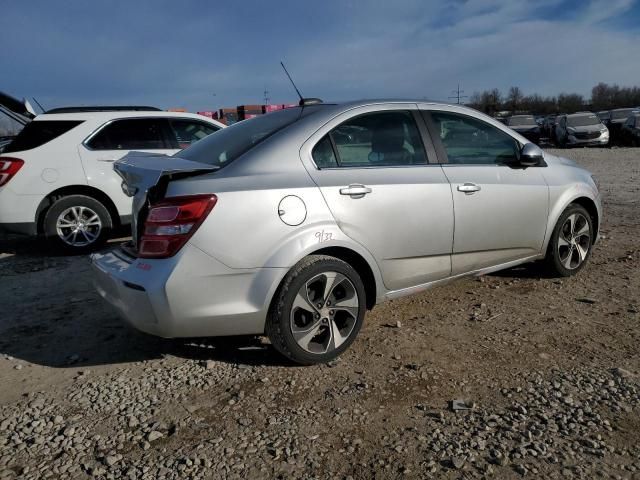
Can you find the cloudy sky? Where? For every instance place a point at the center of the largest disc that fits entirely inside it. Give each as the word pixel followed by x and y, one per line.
pixel 203 55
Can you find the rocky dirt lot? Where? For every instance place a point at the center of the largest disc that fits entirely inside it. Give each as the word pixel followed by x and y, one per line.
pixel 548 368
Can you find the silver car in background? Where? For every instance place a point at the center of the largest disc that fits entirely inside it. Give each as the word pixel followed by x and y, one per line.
pixel 581 129
pixel 295 223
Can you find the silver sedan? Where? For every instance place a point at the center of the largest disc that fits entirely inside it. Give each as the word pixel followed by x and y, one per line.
pixel 294 224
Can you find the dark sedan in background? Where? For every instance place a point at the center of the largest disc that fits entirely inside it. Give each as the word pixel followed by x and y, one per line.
pixel 614 123
pixel 526 126
pixel 630 131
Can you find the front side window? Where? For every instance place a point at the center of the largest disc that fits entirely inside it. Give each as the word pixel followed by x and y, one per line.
pixel 467 140
pixel 382 139
pixel 132 134
pixel 37 133
pixel 190 131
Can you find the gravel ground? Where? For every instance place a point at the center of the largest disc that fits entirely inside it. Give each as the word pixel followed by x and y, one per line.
pixel 543 371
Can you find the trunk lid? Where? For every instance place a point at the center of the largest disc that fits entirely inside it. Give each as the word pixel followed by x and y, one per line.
pixel 145 177
pixel 14 115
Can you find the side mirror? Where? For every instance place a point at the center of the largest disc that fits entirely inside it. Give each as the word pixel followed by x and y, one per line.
pixel 531 155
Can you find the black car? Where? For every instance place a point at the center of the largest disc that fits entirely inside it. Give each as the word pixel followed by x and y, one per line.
pixel 526 126
pixel 630 131
pixel 549 127
pixel 614 123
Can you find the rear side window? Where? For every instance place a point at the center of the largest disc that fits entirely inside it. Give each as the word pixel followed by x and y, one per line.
pixel 382 139
pixel 133 134
pixel 37 133
pixel 323 154
pixel 190 131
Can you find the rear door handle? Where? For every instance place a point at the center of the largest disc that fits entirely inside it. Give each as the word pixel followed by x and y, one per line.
pixel 355 190
pixel 469 188
pixel 107 159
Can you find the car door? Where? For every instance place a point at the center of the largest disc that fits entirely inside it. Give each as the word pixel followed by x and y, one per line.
pixel 501 209
pixel 373 171
pixel 626 132
pixel 113 141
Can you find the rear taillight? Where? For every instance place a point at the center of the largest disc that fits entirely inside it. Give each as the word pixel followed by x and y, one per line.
pixel 8 168
pixel 171 223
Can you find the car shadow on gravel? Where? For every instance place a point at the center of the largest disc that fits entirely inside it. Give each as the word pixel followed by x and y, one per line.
pixel 37 247
pixel 528 270
pixel 79 344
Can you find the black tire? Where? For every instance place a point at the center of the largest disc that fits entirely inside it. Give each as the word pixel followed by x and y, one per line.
pixel 279 320
pixel 92 238
pixel 557 263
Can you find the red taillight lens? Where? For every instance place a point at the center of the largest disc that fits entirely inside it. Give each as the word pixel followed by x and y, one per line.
pixel 171 223
pixel 8 168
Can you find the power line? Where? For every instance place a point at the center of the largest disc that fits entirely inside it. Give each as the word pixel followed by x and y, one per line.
pixel 456 94
pixel 266 96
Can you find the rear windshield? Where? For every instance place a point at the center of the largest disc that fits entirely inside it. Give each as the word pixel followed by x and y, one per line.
pixel 231 142
pixel 38 133
pixel 583 120
pixel 621 114
pixel 522 120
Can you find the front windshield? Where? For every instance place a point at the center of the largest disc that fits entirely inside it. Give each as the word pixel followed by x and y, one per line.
pixel 227 144
pixel 621 114
pixel 583 120
pixel 526 120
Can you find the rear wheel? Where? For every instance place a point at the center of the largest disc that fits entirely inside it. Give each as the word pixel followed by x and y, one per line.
pixel 77 224
pixel 571 240
pixel 318 310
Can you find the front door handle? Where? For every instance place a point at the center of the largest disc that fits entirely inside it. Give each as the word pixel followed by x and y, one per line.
pixel 107 159
pixel 469 188
pixel 355 190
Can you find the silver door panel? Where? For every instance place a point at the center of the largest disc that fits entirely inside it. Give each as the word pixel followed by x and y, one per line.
pixel 503 221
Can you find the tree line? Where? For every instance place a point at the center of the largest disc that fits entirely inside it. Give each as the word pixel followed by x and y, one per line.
pixel 603 97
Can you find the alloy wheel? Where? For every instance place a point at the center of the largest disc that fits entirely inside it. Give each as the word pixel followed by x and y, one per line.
pixel 574 241
pixel 78 226
pixel 324 312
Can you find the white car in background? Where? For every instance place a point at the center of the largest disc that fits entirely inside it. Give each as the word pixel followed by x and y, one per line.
pixel 56 176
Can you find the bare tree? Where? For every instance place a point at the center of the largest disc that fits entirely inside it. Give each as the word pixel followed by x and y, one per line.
pixel 514 98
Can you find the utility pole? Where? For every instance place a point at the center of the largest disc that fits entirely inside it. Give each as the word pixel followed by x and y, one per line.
pixel 457 94
pixel 266 96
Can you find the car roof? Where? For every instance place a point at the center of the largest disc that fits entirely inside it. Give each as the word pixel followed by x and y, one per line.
pixel 104 116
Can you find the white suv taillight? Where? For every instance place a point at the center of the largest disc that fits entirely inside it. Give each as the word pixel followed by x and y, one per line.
pixel 171 223
pixel 8 168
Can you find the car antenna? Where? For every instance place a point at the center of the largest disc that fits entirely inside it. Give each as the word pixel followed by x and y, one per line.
pixel 303 101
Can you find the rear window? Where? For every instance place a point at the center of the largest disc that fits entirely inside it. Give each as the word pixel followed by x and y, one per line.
pixel 37 133
pixel 231 142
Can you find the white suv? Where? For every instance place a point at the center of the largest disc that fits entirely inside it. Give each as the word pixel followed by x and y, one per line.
pixel 56 177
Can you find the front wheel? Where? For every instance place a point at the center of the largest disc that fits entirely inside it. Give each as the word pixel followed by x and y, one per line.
pixel 318 310
pixel 571 241
pixel 77 224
